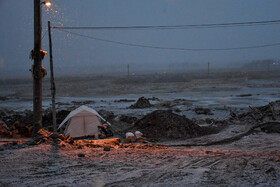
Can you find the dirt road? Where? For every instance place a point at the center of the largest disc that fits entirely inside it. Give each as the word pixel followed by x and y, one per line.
pixel 254 160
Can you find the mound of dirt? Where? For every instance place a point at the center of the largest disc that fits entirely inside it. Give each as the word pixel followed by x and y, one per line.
pixel 142 102
pixel 162 125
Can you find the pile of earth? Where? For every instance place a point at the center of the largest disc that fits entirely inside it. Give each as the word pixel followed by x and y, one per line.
pixel 164 125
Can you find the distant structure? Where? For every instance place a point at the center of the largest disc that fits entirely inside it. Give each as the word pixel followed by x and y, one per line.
pixel 263 65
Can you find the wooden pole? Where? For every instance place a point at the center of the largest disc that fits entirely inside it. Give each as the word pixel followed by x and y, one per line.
pixel 52 80
pixel 128 70
pixel 208 68
pixel 37 73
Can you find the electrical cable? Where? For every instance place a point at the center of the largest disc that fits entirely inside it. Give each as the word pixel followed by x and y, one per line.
pixel 44 34
pixel 172 48
pixel 193 26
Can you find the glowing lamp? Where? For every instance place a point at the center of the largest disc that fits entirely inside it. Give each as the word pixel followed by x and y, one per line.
pixel 47 3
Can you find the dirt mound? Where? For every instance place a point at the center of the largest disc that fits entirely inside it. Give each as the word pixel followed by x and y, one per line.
pixel 142 102
pixel 162 124
pixel 127 119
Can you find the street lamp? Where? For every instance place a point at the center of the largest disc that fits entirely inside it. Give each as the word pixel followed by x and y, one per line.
pixel 37 55
pixel 47 3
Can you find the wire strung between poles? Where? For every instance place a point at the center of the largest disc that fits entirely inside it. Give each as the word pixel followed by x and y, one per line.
pixel 192 26
pixel 171 48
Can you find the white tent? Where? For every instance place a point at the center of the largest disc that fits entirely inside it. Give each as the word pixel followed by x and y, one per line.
pixel 83 121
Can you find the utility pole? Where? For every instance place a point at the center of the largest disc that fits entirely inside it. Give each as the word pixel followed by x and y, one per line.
pixel 52 80
pixel 37 74
pixel 128 70
pixel 208 68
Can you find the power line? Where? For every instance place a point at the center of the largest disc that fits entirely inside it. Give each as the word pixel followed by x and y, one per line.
pixel 172 48
pixel 193 26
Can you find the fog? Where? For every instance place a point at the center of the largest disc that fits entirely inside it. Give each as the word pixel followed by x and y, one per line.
pixel 75 55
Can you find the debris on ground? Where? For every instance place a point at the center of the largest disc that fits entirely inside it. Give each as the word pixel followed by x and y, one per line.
pixel 162 124
pixel 271 127
pixel 44 133
pixel 79 103
pixel 266 113
pixel 81 155
pixel 153 99
pixel 129 137
pixel 107 148
pixel 138 134
pixel 142 102
pixel 98 143
pixel 205 111
pixel 20 130
pixel 244 95
pixel 124 100
pixel 4 130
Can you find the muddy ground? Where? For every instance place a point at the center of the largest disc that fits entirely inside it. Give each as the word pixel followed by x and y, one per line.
pixel 251 161
pixel 244 152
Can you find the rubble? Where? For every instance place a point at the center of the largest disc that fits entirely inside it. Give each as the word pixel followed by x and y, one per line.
pixel 107 148
pixel 3 98
pixel 10 117
pixel 244 95
pixel 4 130
pixel 162 124
pixel 81 155
pixel 271 127
pixel 142 102
pixel 266 113
pixel 205 111
pixel 98 143
pixel 20 130
pixel 79 103
pixel 124 100
pixel 129 137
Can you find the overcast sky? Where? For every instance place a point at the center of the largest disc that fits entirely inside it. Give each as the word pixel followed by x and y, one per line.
pixel 74 54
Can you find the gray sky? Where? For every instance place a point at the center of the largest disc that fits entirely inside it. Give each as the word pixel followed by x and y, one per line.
pixel 74 54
